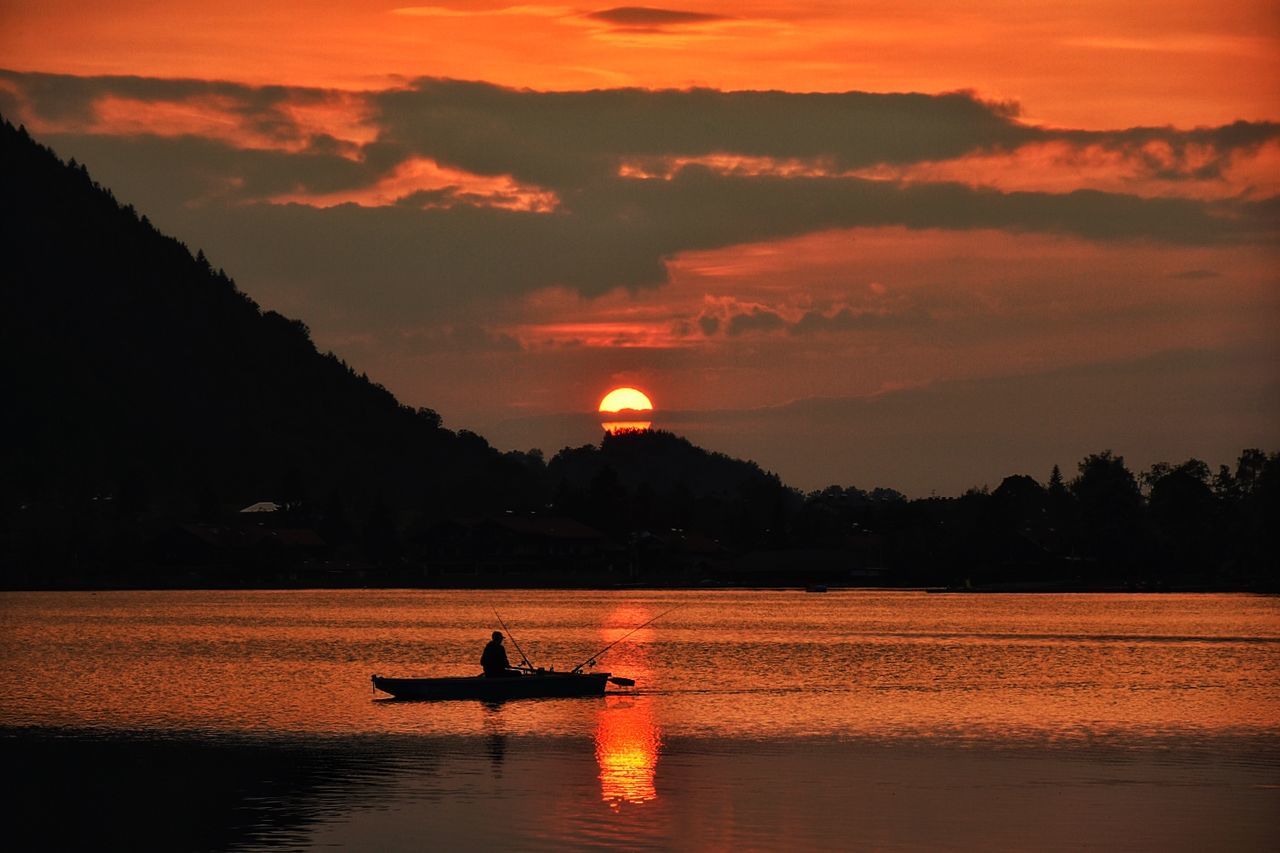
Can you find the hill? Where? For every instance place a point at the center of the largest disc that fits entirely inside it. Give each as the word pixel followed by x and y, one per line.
pixel 139 376
pixel 657 480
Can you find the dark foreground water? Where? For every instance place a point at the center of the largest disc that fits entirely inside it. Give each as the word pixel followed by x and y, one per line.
pixel 761 720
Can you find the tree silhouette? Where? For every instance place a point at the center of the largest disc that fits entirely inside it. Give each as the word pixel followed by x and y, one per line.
pixel 1110 510
pixel 1184 512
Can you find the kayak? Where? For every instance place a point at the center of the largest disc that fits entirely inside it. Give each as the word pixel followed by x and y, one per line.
pixel 534 685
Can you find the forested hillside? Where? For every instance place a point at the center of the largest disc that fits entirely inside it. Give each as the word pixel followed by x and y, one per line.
pixel 138 375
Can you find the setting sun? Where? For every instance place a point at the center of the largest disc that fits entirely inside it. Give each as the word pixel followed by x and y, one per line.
pixel 625 398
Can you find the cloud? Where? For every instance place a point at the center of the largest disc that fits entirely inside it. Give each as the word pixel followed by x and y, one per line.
pixel 464 192
pixel 389 263
pixel 158 174
pixel 502 11
pixel 568 140
pixel 645 16
pixel 263 114
pixel 847 320
pixel 754 320
pixel 737 319
pixel 571 139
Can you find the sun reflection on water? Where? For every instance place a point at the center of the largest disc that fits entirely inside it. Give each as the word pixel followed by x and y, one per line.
pixel 627 745
pixel 627 737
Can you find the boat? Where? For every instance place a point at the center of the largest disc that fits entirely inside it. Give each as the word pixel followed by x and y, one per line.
pixel 522 682
pixel 539 684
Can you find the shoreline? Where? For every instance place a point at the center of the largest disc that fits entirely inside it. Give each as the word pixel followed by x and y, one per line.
pixel 1117 588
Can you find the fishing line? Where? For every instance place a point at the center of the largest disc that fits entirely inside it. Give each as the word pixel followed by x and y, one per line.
pixel 594 657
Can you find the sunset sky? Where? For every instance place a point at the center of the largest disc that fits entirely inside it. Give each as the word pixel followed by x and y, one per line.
pixel 907 244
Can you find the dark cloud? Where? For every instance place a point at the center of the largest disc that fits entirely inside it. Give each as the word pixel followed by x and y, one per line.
pixel 446 246
pixel 1170 154
pixel 165 172
pixel 564 137
pixel 760 320
pixel 847 320
pixel 700 209
pixel 645 16
pixel 385 264
pixel 1196 275
pixel 754 320
pixel 570 139
pixel 62 98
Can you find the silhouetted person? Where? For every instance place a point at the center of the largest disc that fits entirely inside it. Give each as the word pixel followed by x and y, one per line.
pixel 494 659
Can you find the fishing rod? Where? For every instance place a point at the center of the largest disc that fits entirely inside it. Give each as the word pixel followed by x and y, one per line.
pixel 523 659
pixel 591 660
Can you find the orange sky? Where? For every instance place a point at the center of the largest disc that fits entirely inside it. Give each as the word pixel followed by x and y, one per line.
pixel 1085 63
pixel 751 260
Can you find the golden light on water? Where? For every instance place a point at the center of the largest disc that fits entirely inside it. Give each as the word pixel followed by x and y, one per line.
pixel 627 743
pixel 627 737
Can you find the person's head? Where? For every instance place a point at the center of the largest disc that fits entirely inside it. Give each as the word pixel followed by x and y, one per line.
pixel 497 636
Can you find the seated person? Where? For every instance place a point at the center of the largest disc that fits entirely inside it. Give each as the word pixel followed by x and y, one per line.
pixel 494 659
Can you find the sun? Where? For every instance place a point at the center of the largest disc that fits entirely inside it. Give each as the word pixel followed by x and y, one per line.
pixel 625 398
pixel 626 403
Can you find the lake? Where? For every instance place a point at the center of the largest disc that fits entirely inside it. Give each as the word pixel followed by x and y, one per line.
pixel 760 720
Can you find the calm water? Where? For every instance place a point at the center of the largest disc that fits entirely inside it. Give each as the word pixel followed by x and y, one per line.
pixel 760 719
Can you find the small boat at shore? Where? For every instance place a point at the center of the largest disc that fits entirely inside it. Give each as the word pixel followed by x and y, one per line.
pixel 531 685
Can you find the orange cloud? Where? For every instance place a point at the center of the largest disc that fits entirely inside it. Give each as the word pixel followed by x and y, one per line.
pixel 1150 170
pixel 424 183
pixel 596 334
pixel 291 122
pixel 743 165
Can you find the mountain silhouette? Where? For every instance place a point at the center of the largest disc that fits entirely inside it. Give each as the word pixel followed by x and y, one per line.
pixel 137 372
pixel 651 479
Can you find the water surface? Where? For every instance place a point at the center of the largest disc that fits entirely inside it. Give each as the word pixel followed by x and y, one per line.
pixel 761 719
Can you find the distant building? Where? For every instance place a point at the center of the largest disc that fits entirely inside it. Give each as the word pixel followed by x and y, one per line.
pixel 685 552
pixel 238 546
